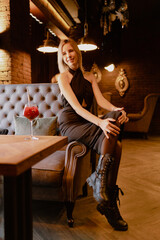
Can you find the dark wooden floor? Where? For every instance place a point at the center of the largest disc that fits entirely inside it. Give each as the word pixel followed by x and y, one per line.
pixel 139 177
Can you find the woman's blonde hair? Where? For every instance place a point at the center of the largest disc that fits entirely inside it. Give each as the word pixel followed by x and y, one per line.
pixel 61 64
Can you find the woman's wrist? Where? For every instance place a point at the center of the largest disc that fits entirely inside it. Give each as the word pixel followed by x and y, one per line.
pixel 113 108
pixel 99 122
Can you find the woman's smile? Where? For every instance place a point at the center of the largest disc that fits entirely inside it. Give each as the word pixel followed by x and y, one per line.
pixel 70 60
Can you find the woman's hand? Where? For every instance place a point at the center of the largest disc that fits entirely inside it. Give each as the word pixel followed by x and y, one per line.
pixel 108 127
pixel 123 118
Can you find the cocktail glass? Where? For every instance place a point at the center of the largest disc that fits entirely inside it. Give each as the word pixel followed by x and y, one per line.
pixel 31 112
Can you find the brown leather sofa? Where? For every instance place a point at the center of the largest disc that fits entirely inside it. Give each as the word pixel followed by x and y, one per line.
pixel 62 175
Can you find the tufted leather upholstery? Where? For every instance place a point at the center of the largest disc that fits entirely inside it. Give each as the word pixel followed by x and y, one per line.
pixel 13 98
pixel 62 175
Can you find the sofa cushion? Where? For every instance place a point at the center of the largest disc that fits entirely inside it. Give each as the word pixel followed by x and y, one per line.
pixel 49 172
pixel 41 126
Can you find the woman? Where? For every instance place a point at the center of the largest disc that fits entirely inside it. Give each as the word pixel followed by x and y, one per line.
pixel 101 134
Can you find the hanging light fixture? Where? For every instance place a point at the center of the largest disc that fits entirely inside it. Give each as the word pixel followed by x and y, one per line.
pixel 86 44
pixel 110 67
pixel 107 60
pixel 48 46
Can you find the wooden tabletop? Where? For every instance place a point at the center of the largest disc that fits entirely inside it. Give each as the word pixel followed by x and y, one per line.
pixel 17 154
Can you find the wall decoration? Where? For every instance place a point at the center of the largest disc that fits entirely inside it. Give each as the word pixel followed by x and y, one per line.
pixel 96 71
pixel 112 10
pixel 121 82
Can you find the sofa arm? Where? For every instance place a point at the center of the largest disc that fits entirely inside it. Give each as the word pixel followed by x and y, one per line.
pixel 149 104
pixel 74 176
pixel 135 116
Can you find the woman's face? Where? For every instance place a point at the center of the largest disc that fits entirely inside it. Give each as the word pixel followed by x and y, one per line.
pixel 70 56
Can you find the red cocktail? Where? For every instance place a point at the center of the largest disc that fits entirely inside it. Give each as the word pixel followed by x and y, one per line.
pixel 31 112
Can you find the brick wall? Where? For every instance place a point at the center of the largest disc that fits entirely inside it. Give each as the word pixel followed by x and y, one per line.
pixel 143 79
pixel 14 46
pixel 5 60
pixel 20 67
pixel 140 51
pixel 5 67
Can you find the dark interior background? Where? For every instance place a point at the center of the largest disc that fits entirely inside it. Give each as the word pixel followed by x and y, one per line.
pixel 136 48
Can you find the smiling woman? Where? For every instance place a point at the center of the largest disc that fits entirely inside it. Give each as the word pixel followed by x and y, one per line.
pixel 69 51
pixel 101 134
pixel 70 57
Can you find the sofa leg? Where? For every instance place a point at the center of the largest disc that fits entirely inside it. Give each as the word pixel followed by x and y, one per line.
pixel 145 136
pixel 69 208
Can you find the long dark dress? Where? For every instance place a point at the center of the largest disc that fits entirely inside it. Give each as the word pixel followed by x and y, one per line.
pixel 73 125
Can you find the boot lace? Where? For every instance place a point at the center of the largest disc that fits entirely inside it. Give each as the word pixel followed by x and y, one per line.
pixel 114 208
pixel 117 194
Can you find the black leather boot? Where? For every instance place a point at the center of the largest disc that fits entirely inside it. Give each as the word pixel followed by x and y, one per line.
pixel 110 210
pixel 98 179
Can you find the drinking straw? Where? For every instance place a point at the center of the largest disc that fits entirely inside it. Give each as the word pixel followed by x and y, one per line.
pixel 29 102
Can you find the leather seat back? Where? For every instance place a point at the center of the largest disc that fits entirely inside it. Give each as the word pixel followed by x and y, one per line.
pixel 13 98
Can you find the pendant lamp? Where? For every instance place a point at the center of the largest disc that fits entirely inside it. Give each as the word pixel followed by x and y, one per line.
pixel 48 46
pixel 86 44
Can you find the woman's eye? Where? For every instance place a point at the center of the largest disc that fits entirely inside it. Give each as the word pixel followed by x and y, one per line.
pixel 71 50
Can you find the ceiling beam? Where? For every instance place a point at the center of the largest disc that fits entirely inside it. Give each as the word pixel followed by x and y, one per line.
pixel 72 7
pixel 54 20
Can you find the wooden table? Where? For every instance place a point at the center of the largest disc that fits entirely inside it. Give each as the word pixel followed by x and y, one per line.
pixel 17 156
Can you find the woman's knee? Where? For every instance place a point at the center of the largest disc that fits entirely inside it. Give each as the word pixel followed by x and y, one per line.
pixel 114 114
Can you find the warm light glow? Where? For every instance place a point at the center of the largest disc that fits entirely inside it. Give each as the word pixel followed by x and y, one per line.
pixel 48 46
pixel 86 44
pixel 2 28
pixel 4 58
pixel 87 47
pixel 5 63
pixel 4 22
pixel 110 67
pixel 47 49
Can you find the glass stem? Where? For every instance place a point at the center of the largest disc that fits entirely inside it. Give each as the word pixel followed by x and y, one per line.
pixel 31 129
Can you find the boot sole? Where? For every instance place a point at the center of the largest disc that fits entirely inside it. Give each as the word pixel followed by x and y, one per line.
pixel 102 212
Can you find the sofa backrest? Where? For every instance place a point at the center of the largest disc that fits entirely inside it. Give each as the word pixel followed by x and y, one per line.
pixel 13 98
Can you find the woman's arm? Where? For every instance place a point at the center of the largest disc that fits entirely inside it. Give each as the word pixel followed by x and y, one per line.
pixel 66 90
pixel 104 103
pixel 100 99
